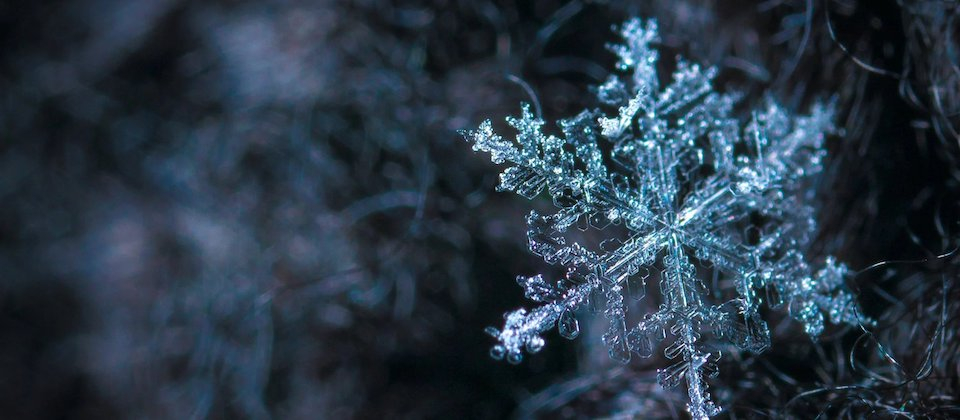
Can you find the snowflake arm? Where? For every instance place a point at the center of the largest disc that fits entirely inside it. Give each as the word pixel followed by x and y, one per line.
pixel 522 329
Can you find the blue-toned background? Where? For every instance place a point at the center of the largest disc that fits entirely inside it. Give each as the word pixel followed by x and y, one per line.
pixel 241 209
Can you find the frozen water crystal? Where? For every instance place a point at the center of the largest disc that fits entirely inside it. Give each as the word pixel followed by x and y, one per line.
pixel 691 186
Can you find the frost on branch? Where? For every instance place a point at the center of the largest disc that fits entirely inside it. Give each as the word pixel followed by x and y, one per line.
pixel 692 186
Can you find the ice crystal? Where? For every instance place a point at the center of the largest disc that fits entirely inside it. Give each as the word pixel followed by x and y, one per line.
pixel 691 187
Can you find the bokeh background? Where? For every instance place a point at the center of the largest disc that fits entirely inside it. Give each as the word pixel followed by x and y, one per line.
pixel 262 209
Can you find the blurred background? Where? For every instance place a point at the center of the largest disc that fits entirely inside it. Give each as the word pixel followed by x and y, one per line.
pixel 262 209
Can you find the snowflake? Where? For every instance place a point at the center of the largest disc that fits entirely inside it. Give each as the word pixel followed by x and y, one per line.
pixel 689 186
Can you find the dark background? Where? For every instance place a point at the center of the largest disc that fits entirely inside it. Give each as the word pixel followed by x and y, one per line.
pixel 238 209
